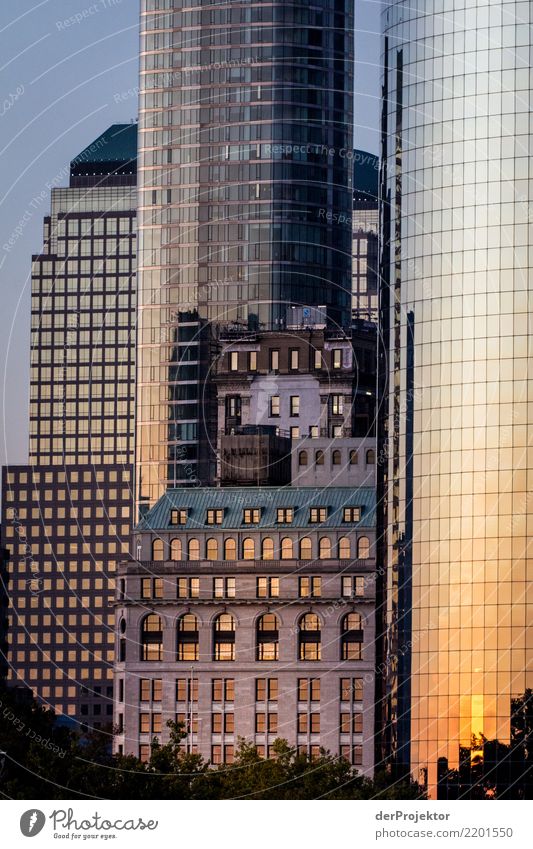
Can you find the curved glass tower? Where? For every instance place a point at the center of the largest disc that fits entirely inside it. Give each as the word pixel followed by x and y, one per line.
pixel 456 305
pixel 245 199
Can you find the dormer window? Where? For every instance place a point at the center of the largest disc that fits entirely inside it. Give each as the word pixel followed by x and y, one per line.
pixel 178 517
pixel 351 514
pixel 285 515
pixel 214 517
pixel 318 514
pixel 251 516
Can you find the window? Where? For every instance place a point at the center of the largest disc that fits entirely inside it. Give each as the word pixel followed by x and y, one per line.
pixel 354 459
pixel 337 405
pixel 294 359
pixel 314 432
pixel 224 637
pixel 286 549
pixel 370 457
pixel 351 637
pixel 214 517
pixel 353 585
pixel 314 723
pixel 336 457
pixel 151 689
pixel 234 361
pixel 268 637
pixel 302 458
pixel 212 549
pixel 309 637
pixel 351 689
pixel 345 548
pixel 175 549
pixel 152 638
pixel 306 549
pixel 187 689
pixel 223 689
pixel 266 689
pixel 248 549
pixel 319 457
pixel 351 514
pixel 151 588
pixel 267 587
pixel 324 548
pixel 318 358
pixel 233 408
pixel 274 359
pixel 363 548
pixel 193 549
pixel 230 549
pixel 267 549
pixel 337 358
pixel 318 514
pixel 188 587
pixel 158 550
pixel 302 723
pixel 252 360
pixel 295 432
pixel 216 755
pixel 251 516
pixel 295 405
pixel 178 517
pixel 310 586
pixel 223 587
pixel 274 405
pixel 188 638
pixel 285 515
pixel 308 689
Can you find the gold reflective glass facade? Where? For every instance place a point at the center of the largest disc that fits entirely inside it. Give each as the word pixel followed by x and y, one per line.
pixel 456 306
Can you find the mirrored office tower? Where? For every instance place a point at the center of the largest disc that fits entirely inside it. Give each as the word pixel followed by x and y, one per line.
pixel 245 200
pixel 456 305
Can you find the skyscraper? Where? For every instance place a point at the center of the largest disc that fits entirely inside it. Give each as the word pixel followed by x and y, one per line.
pixel 456 308
pixel 67 515
pixel 245 201
pixel 365 219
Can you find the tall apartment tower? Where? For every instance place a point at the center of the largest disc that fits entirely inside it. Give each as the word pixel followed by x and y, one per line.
pixel 365 218
pixel 67 514
pixel 456 309
pixel 245 127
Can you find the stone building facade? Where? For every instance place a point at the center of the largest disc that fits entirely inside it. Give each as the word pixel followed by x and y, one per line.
pixel 250 613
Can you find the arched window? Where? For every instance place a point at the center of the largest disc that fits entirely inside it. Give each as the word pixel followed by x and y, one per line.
pixel 175 549
pixel 309 637
pixel 194 549
pixel 363 548
pixel 122 641
pixel 230 549
pixel 324 548
pixel 212 549
pixel 268 637
pixel 158 549
pixel 152 638
pixel 370 457
pixel 354 457
pixel 248 549
pixel 302 458
pixel 319 458
pixel 336 457
pixel 267 549
pixel 188 639
pixel 224 637
pixel 306 549
pixel 286 549
pixel 351 637
pixel 345 548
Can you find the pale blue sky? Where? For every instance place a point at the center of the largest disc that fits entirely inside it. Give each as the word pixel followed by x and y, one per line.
pixel 67 67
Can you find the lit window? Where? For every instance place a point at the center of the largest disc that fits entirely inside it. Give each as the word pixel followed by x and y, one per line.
pixel 251 516
pixel 212 549
pixel 274 359
pixel 294 359
pixel 268 637
pixel 152 638
pixel 267 587
pixel 351 637
pixel 310 586
pixel 337 358
pixel 267 549
pixel 337 405
pixel 351 514
pixel 194 549
pixel 234 361
pixel 306 549
pixel 248 549
pixel 345 548
pixel 188 638
pixel 285 515
pixel 286 549
pixel 175 549
pixel 318 514
pixel 363 548
pixel 158 550
pixel 178 517
pixel 295 405
pixel 215 517
pixel 224 637
pixel 274 406
pixel 230 549
pixel 309 637
pixel 252 361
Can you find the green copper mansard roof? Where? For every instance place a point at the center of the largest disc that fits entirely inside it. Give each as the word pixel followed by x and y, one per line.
pixel 233 500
